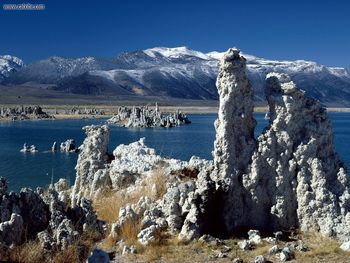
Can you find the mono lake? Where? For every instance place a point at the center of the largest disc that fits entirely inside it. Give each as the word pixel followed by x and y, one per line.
pixel 32 170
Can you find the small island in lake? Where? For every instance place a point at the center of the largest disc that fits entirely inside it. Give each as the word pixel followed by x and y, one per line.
pixel 24 113
pixel 144 117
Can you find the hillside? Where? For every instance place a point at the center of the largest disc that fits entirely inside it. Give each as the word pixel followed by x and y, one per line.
pixel 179 73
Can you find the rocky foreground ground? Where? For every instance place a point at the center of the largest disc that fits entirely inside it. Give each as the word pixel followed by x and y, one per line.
pixel 281 197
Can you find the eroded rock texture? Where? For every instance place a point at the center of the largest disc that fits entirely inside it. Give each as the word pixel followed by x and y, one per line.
pixel 145 117
pixel 136 169
pixel 235 125
pixel 45 215
pixel 291 177
pixel 296 178
pixel 93 157
pixel 235 141
pixel 24 113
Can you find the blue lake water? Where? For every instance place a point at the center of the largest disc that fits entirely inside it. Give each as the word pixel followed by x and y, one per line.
pixel 32 170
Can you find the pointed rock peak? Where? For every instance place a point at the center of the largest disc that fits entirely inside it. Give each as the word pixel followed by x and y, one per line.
pixel 277 82
pixel 232 59
pixel 235 125
pixel 280 77
pixel 232 53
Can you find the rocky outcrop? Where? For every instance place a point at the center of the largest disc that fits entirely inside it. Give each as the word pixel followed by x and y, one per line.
pixel 54 147
pixel 235 141
pixel 23 211
pixel 131 168
pixel 235 125
pixel 134 160
pixel 143 117
pixel 67 223
pixel 29 149
pixel 11 231
pixel 93 157
pixel 68 146
pixel 291 176
pixel 24 113
pixel 98 171
pixel 86 111
pixel 296 178
pixel 173 212
pixel 30 214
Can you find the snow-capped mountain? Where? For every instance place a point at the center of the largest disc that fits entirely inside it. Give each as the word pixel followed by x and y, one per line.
pixel 178 72
pixel 9 64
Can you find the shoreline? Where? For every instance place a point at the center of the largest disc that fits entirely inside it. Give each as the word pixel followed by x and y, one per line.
pixel 110 111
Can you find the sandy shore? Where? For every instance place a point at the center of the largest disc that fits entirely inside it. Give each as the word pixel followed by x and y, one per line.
pixel 80 117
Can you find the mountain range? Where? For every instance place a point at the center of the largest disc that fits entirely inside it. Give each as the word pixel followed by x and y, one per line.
pixel 169 72
pixel 9 64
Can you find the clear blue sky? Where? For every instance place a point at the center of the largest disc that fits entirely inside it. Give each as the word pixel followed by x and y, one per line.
pixel 276 29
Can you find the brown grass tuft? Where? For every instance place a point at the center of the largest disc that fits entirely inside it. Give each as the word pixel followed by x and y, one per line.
pixel 32 251
pixel 159 180
pixel 68 255
pixel 129 231
pixel 27 253
pixel 108 204
pixel 321 248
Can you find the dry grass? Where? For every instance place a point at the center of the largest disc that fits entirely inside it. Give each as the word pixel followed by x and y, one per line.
pixel 166 249
pixel 71 254
pixel 321 249
pixel 108 204
pixel 28 253
pixel 107 207
pixel 158 178
pixel 129 231
pixel 32 251
pixel 108 243
pixel 175 250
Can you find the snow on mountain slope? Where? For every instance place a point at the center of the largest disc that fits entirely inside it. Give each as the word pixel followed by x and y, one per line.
pixel 330 85
pixel 180 72
pixel 176 52
pixel 340 72
pixel 9 64
pixel 54 69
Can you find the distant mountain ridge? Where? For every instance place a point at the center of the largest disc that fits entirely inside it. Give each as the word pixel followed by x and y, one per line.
pixel 8 65
pixel 175 72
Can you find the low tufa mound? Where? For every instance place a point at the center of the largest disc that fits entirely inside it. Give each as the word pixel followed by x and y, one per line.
pixel 46 216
